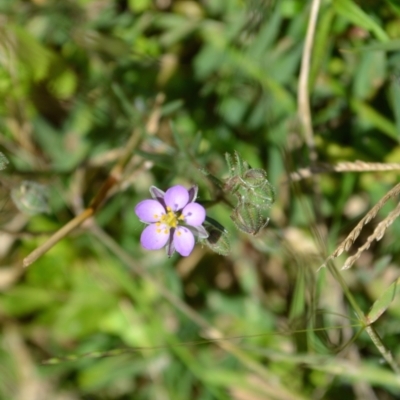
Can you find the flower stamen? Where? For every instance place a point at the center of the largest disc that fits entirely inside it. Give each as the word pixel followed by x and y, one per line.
pixel 170 218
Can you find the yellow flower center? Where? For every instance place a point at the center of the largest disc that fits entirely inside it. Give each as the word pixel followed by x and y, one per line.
pixel 170 218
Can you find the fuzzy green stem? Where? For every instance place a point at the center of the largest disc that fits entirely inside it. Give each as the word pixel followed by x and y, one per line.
pixel 386 354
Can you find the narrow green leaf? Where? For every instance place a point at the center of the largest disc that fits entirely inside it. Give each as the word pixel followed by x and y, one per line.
pixel 383 302
pixel 350 10
pixel 36 57
pixel 125 104
pixel 362 372
pixel 387 46
pixel 297 307
pixel 322 42
pixel 370 75
pixel 178 138
pixel 375 118
pixel 395 101
pixel 395 5
pixel 171 107
pixel 24 299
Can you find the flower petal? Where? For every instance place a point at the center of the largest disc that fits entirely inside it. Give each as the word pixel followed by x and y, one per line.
pixel 176 197
pixel 149 211
pixel 194 214
pixel 183 241
pixel 155 236
pixel 193 193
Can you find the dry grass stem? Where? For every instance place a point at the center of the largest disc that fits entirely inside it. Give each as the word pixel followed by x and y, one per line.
pixel 353 235
pixel 303 100
pixel 112 180
pixel 376 235
pixel 109 156
pixel 304 110
pixel 56 237
pixel 356 166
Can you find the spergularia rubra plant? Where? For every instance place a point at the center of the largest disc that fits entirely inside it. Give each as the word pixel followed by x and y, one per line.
pixel 173 218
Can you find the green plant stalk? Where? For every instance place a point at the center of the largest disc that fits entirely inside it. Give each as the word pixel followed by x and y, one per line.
pixel 376 340
pixel 336 274
pixel 386 354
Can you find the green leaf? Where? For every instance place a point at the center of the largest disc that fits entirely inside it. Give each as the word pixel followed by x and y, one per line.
pixel 395 5
pixel 395 102
pixel 233 110
pixel 24 299
pixel 171 107
pixel 386 46
pixel 350 10
pixel 139 5
pixel 298 306
pixel 376 119
pixel 370 74
pixel 32 53
pixel 322 42
pixel 63 86
pixel 381 305
pixel 362 372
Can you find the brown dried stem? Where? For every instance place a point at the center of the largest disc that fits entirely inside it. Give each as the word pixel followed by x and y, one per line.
pixel 113 179
pixel 353 235
pixel 356 166
pixel 303 99
pixel 376 235
pixel 304 110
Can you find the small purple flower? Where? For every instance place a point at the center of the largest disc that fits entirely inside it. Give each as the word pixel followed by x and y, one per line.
pixel 174 220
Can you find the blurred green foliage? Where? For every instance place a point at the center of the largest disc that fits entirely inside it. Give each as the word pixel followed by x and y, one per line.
pixel 197 79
